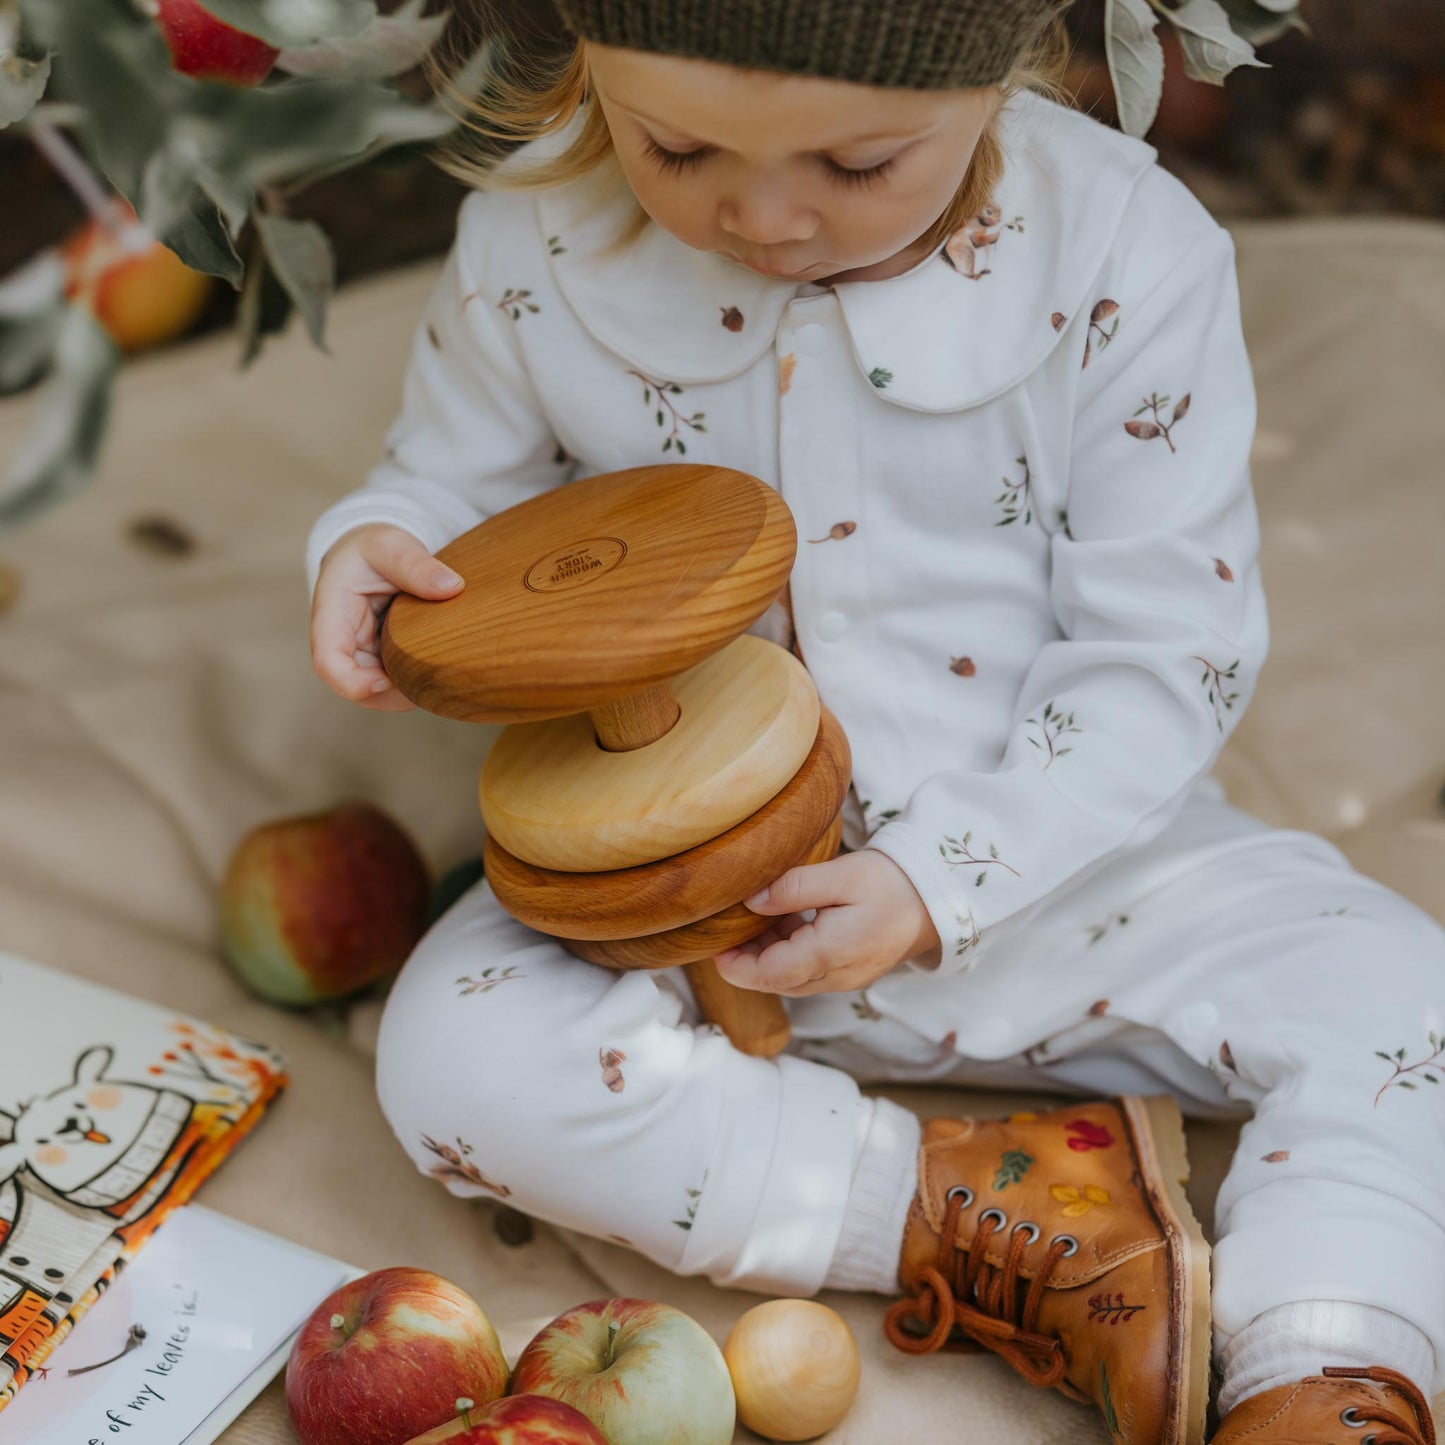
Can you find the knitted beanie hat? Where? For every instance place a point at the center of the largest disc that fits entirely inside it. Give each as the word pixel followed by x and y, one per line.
pixel 914 44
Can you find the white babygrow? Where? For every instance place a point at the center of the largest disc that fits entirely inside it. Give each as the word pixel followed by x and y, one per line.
pixel 1027 587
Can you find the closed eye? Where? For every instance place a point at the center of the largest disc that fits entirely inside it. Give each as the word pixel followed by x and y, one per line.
pixel 676 162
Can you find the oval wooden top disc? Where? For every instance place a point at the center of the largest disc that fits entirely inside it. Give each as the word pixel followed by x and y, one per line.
pixel 593 591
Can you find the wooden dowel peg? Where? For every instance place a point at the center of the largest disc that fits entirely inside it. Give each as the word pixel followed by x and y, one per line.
pixel 756 1022
pixel 634 721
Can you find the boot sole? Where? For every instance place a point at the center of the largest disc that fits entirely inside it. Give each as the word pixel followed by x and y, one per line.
pixel 1158 1135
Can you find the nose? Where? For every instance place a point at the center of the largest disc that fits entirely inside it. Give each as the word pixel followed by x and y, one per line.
pixel 763 212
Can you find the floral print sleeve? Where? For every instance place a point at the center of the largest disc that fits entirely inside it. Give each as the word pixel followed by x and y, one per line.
pixel 1159 607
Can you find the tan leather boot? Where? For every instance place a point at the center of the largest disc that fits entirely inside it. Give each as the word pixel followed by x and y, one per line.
pixel 1063 1242
pixel 1336 1407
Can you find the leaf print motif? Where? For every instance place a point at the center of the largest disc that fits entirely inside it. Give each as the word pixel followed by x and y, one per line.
pixel 880 376
pixel 968 938
pixel 1078 1202
pixel 555 246
pixel 431 335
pixel 1148 431
pixel 732 318
pixel 1213 682
pixel 1052 727
pixel 1100 930
pixel 956 853
pixel 1016 497
pixel 610 1059
pixel 514 303
pixel 1102 311
pixel 1012 1168
pixel 455 1164
pixel 1106 1402
pixel 1085 1135
pixel 1111 1309
pixel 837 532
pixel 666 390
pixel 962 666
pixel 1401 1072
pixel 489 979
pixel 786 366
pixel 863 1007
pixel 694 1198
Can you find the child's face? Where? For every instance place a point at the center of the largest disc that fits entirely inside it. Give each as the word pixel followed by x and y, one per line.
pixel 788 175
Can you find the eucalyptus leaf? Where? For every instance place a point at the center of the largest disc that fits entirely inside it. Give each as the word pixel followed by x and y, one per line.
pixel 198 235
pixel 32 308
pixel 1136 62
pixel 289 24
pixel 1211 48
pixel 300 255
pixel 22 83
pixel 57 456
pixel 264 308
pixel 390 45
pixel 1258 23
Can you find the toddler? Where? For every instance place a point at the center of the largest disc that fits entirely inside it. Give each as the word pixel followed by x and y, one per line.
pixel 990 355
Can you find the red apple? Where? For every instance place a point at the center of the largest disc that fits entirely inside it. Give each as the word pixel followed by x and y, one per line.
pixel 320 906
pixel 517 1420
pixel 643 1373
pixel 208 48
pixel 387 1356
pixel 139 290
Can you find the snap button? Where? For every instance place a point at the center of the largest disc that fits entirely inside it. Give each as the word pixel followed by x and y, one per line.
pixel 812 338
pixel 831 626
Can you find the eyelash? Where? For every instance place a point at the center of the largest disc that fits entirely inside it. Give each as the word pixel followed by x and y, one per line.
pixel 677 162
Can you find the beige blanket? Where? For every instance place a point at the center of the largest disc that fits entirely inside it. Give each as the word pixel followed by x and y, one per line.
pixel 153 708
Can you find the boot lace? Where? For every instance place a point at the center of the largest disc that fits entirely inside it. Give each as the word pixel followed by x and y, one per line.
pixel 1398 1430
pixel 986 1303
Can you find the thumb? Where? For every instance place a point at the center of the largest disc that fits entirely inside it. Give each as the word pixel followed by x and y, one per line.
pixel 813 885
pixel 401 559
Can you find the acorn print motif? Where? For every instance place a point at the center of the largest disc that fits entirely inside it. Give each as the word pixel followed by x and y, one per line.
pixel 1057 320
pixel 611 1073
pixel 1102 311
pixel 962 666
pixel 1275 1156
pixel 837 532
pixel 1147 431
pixel 1221 570
pixel 666 390
pixel 455 1163
pixel 732 318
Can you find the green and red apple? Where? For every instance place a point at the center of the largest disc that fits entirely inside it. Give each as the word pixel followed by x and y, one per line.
pixel 644 1373
pixel 321 906
pixel 209 49
pixel 387 1356
pixel 516 1420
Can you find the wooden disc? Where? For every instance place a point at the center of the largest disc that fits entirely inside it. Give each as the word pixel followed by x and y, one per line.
pixel 630 902
pixel 592 591
pixel 706 938
pixel 551 796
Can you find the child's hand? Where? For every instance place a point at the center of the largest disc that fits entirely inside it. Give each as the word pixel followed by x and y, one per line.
pixel 869 919
pixel 358 577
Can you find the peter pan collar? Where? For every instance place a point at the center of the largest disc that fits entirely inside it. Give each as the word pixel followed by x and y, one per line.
pixel 1012 278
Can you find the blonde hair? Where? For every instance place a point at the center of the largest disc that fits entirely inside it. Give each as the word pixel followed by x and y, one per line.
pixel 541 97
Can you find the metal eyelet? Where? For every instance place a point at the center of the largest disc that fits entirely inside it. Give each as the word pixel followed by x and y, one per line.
pixel 997 1214
pixel 1368 1440
pixel 1351 1416
pixel 960 1191
pixel 1029 1225
pixel 1073 1248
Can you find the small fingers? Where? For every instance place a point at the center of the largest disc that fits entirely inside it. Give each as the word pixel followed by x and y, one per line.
pixel 401 559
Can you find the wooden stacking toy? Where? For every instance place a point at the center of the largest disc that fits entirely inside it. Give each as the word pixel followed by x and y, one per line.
pixel 662 764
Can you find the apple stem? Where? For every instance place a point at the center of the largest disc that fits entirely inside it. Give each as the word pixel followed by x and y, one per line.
pixel 612 1329
pixel 72 169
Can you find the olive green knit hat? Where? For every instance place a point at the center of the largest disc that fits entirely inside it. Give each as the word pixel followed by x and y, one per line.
pixel 915 44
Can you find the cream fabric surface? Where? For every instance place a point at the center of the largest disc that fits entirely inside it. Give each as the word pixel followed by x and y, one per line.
pixel 154 708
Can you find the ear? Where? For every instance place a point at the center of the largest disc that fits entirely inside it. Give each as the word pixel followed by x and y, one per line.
pixel 92 1064
pixel 12 1157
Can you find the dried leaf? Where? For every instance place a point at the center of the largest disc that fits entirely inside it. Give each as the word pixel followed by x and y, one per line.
pixel 1146 431
pixel 1136 62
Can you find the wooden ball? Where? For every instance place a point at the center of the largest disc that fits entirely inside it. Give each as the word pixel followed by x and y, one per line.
pixel 795 1368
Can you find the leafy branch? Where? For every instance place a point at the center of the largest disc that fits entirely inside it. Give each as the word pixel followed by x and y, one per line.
pixel 1399 1078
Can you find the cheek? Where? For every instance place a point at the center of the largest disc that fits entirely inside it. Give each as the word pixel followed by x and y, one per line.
pixel 686 208
pixel 103 1096
pixel 51 1155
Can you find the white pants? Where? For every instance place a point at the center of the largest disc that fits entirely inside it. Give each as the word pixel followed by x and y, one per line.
pixel 1244 969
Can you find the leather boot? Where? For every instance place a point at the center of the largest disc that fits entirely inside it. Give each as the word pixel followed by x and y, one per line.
pixel 1336 1407
pixel 1063 1242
